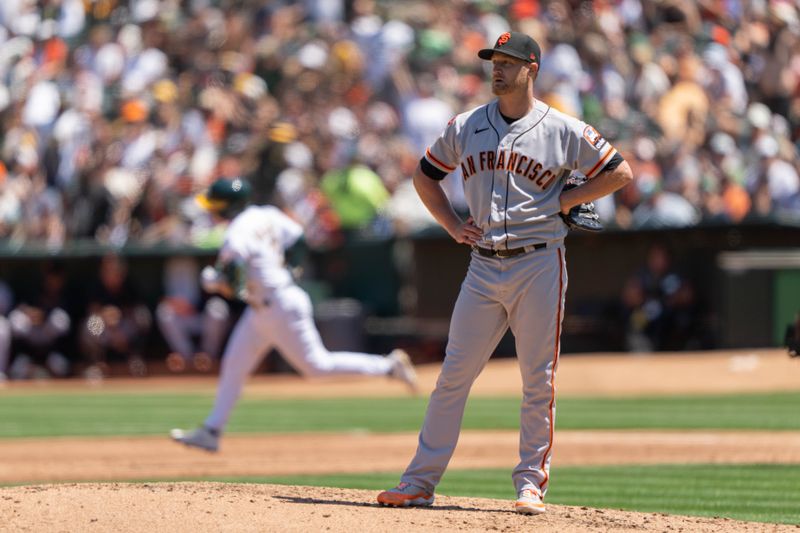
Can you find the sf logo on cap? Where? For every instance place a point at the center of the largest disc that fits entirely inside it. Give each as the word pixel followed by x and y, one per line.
pixel 503 39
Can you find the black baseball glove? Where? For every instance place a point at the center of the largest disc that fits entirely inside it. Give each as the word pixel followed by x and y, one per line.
pixel 582 217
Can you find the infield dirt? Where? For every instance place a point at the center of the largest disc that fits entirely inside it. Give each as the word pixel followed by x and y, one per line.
pixel 229 507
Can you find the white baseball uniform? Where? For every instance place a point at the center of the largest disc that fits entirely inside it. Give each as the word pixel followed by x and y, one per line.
pixel 513 176
pixel 280 313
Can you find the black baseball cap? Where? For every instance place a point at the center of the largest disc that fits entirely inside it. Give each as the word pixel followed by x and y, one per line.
pixel 514 44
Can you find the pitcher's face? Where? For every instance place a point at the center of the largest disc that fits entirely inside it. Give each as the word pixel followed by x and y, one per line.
pixel 509 74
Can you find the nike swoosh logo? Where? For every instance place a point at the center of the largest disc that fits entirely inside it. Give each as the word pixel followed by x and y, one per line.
pixel 481 130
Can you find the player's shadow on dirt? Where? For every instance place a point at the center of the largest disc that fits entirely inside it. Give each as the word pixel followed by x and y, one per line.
pixel 315 501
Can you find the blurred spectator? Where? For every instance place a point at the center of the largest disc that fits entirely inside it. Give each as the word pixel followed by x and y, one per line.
pixel 721 174
pixel 683 109
pixel 117 322
pixel 776 177
pixel 186 314
pixel 6 301
pixel 424 115
pixel 561 78
pixel 661 209
pixel 659 307
pixel 302 199
pixel 357 195
pixel 40 326
pixel 649 82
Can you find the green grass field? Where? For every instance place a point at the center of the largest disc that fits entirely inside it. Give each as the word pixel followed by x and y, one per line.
pixel 96 414
pixel 767 493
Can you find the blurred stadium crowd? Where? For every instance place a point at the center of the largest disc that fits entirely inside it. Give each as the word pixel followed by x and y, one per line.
pixel 115 112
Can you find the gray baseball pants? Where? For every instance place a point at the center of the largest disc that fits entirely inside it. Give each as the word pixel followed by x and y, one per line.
pixel 525 293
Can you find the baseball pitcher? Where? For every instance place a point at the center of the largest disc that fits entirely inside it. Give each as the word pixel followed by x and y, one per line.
pixel 515 154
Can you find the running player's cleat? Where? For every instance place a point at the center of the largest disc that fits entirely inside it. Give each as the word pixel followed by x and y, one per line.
pixel 202 437
pixel 406 495
pixel 529 502
pixel 403 369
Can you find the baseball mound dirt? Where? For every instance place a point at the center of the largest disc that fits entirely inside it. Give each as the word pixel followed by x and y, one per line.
pixel 115 506
pixel 191 507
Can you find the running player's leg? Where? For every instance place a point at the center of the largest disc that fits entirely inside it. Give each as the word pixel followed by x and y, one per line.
pixel 477 325
pixel 246 347
pixel 299 342
pixel 535 319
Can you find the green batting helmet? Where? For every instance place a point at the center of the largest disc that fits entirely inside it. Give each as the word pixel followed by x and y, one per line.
pixel 225 197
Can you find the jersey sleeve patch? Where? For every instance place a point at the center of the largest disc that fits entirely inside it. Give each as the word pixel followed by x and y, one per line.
pixel 594 138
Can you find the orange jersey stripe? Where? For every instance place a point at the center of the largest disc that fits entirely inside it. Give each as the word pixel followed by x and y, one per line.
pixel 602 162
pixel 556 350
pixel 436 162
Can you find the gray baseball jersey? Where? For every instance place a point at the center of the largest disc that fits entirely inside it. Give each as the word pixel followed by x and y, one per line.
pixel 513 173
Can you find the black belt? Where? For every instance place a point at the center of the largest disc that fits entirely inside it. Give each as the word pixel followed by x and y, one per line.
pixel 511 252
